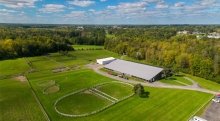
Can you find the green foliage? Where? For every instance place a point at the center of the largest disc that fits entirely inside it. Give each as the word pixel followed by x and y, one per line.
pixel 20 41
pixel 139 90
pixel 179 52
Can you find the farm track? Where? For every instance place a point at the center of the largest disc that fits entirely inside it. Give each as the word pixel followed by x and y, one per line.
pixel 157 84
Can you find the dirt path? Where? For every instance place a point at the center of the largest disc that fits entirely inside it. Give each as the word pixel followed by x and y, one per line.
pixel 195 84
pixel 158 84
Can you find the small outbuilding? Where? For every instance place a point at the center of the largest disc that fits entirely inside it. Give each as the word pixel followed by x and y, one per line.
pixel 105 61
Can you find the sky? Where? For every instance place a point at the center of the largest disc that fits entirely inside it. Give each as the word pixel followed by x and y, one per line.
pixel 110 11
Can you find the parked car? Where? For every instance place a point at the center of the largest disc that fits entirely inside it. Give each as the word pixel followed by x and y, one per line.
pixel 216 100
pixel 196 118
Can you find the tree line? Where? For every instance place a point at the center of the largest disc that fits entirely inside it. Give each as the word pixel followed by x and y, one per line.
pixel 163 47
pixel 19 41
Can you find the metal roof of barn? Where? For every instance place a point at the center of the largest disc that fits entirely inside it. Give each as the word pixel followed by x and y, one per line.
pixel 135 69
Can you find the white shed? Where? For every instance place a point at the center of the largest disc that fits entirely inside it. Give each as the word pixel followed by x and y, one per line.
pixel 105 61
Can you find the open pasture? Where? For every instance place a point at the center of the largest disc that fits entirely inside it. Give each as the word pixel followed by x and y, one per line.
pixel 73 59
pixel 116 90
pixel 13 67
pixel 81 104
pixel 41 63
pixel 160 105
pixel 17 102
pixel 207 84
pixel 177 80
pixel 92 100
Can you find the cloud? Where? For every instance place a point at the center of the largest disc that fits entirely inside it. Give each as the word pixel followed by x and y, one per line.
pixel 135 7
pixel 7 11
pixel 52 8
pixel 82 3
pixel 76 14
pixel 207 2
pixel 103 0
pixel 161 5
pixel 151 1
pixel 179 4
pixel 18 3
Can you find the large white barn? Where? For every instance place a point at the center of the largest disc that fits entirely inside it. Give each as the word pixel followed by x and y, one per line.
pixel 142 71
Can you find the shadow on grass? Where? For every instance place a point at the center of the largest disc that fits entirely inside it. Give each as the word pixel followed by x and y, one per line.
pixel 179 75
pixel 171 78
pixel 145 94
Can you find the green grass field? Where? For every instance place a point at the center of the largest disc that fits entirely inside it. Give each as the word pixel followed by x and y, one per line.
pixel 207 84
pixel 13 67
pixel 74 58
pixel 116 90
pixel 177 80
pixel 81 103
pixel 167 103
pixel 41 63
pixel 17 102
pixel 87 47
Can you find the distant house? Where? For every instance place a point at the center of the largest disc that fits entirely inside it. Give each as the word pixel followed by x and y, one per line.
pixel 183 32
pixel 214 35
pixel 196 118
pixel 141 71
pixel 105 61
pixel 80 28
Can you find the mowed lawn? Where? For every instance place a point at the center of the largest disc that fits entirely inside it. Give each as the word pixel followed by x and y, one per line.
pixel 13 67
pixel 17 102
pixel 41 63
pixel 17 99
pixel 160 105
pixel 68 82
pixel 81 103
pixel 74 58
pixel 207 84
pixel 177 80
pixel 116 90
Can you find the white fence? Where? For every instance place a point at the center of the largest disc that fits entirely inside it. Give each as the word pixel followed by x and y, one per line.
pixel 97 111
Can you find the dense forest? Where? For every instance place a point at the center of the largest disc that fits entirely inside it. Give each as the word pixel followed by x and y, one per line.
pixel 154 44
pixel 161 46
pixel 19 41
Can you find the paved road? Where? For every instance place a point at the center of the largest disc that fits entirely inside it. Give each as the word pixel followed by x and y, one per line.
pixel 212 112
pixel 157 84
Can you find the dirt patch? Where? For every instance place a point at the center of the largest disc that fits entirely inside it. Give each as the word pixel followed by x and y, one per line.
pixel 212 112
pixel 52 89
pixel 62 69
pixel 47 83
pixel 21 78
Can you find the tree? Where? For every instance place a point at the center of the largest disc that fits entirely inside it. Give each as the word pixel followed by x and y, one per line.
pixel 139 90
pixel 168 72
